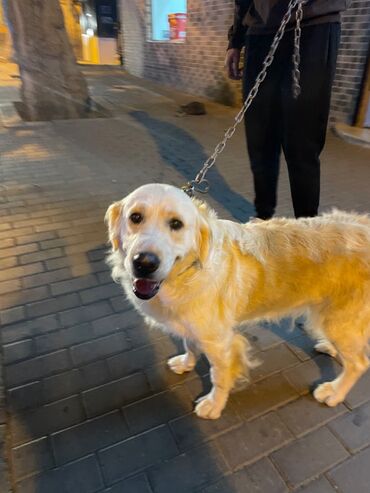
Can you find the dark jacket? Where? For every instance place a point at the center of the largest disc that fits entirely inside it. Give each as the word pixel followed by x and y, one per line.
pixel 264 16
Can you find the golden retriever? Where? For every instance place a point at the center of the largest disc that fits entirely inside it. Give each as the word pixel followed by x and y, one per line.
pixel 199 277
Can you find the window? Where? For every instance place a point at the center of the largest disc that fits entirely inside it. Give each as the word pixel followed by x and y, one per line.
pixel 169 20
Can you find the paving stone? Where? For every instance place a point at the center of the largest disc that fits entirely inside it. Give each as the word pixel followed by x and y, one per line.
pixel 303 347
pixel 63 338
pixel 7 263
pixel 94 374
pixel 97 254
pixel 99 348
pixel 273 360
pixel 360 393
pixel 46 278
pixel 22 240
pixel 120 304
pixel 18 250
pixel 28 296
pixel 32 457
pixel 109 324
pixel 33 369
pixel 103 292
pixel 306 414
pixel 10 286
pixel 254 439
pixel 4 472
pixel 84 313
pixel 189 430
pixel 82 476
pixel 354 474
pixel 46 419
pixel 321 485
pixel 264 336
pixel 196 468
pixel 160 377
pixel 30 258
pixel 353 428
pixel 21 271
pixel 17 351
pixel 89 436
pixel 104 277
pixel 29 328
pixel 139 334
pixel 309 456
pixel 116 394
pixel 52 305
pixel 75 284
pixel 25 396
pixel 263 396
pixel 260 477
pixel 137 453
pixel 157 409
pixel 137 484
pixel 62 385
pixel 306 376
pixel 12 315
pixel 141 358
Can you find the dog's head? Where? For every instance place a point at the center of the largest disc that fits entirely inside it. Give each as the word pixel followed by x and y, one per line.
pixel 160 232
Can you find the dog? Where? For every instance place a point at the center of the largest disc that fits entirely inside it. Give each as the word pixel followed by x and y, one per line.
pixel 199 278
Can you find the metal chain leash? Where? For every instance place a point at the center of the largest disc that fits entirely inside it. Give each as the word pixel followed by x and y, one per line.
pixel 296 53
pixel 200 184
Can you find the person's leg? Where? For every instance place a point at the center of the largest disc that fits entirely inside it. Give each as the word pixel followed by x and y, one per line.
pixel 305 119
pixel 262 125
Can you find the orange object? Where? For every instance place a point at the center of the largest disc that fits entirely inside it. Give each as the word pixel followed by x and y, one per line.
pixel 177 24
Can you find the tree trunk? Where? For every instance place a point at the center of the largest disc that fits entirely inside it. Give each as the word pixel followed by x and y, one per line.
pixel 53 86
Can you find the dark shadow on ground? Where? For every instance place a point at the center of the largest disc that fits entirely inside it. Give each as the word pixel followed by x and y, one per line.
pixel 182 151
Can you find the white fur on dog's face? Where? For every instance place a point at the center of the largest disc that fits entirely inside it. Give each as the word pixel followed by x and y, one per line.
pixel 158 208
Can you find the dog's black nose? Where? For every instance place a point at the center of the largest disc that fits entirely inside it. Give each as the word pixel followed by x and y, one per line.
pixel 145 263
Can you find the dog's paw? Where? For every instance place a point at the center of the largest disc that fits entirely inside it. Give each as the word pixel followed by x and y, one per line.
pixel 327 394
pixel 181 364
pixel 206 408
pixel 326 347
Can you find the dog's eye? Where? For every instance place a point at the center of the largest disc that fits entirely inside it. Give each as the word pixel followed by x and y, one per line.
pixel 136 217
pixel 176 224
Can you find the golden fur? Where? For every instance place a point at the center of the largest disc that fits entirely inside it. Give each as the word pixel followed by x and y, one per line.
pixel 218 274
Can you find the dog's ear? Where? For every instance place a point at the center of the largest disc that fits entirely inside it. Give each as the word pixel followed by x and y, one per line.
pixel 204 233
pixel 113 218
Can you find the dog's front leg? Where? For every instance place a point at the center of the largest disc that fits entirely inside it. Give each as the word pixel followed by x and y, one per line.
pixel 219 356
pixel 183 362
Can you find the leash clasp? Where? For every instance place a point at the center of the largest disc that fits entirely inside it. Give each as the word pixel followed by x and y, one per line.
pixel 193 186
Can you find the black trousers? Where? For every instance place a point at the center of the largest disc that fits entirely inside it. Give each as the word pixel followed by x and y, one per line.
pixel 276 120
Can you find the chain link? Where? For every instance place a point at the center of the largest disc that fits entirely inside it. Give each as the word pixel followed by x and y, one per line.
pixel 200 184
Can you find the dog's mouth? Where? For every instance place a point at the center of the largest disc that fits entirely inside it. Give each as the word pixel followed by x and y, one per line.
pixel 145 289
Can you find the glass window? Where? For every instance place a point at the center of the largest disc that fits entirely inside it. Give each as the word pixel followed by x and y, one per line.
pixel 169 20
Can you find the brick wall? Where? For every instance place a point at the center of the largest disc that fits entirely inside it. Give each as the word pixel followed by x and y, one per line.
pixel 351 60
pixel 197 66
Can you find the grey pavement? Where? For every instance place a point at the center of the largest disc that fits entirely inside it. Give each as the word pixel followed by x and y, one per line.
pixel 89 404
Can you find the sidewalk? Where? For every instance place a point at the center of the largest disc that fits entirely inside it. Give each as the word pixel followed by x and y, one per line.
pixel 90 405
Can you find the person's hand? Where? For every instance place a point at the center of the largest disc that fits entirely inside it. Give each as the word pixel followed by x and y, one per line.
pixel 232 61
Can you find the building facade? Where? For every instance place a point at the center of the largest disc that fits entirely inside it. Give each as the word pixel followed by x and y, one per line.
pixel 194 63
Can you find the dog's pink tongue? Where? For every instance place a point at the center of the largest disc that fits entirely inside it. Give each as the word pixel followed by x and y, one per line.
pixel 145 286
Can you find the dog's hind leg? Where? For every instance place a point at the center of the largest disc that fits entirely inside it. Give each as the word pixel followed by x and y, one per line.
pixel 183 362
pixel 326 347
pixel 229 362
pixel 313 326
pixel 350 341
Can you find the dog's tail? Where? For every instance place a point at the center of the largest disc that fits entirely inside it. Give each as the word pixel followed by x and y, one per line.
pixel 242 360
